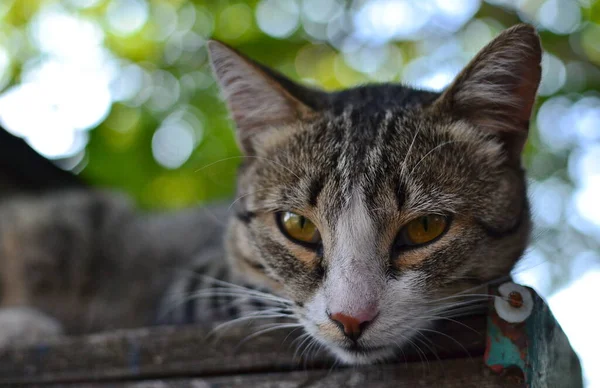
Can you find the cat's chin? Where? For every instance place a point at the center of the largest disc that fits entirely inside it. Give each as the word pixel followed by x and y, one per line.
pixel 360 356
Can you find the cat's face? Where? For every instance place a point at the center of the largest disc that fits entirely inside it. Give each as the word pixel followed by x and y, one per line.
pixel 368 208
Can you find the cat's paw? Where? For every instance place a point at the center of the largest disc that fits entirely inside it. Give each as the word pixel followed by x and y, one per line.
pixel 25 326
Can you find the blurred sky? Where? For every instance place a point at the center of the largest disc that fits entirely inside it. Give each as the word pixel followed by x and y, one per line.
pixel 120 92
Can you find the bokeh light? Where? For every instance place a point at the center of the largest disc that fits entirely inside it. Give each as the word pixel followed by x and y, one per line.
pixel 126 17
pixel 278 18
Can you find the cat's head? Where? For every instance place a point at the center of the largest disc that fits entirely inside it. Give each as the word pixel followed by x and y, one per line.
pixel 368 206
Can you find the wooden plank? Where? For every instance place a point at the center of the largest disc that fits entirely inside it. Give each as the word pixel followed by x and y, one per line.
pixel 460 373
pixel 170 352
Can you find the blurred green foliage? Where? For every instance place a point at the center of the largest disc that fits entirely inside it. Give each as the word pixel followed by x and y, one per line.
pixel 119 152
pixel 121 92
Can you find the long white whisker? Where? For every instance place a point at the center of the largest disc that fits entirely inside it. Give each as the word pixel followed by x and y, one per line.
pixel 463 311
pixel 268 330
pixel 244 196
pixel 499 279
pixel 290 333
pixel 436 317
pixel 208 293
pixel 420 352
pixel 430 151
pixel 231 287
pixel 412 143
pixel 401 348
pixel 427 346
pixel 449 307
pixel 237 286
pixel 305 337
pixel 456 296
pixel 242 298
pixel 248 157
pixel 311 343
pixel 239 320
pixel 450 337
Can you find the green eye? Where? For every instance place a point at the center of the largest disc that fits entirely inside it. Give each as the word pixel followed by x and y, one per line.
pixel 422 230
pixel 298 228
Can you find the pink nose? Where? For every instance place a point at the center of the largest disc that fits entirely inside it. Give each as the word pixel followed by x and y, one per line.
pixel 353 326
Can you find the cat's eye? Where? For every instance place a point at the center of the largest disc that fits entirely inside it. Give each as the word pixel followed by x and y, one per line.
pixel 298 228
pixel 422 230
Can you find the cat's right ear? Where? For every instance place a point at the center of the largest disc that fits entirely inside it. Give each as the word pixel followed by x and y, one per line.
pixel 260 101
pixel 497 89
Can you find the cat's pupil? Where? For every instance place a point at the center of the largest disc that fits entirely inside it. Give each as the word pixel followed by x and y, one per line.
pixel 425 222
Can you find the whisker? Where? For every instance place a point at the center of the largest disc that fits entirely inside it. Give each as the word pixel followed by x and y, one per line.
pixel 420 352
pixel 412 143
pixel 227 285
pixel 408 341
pixel 219 281
pixel 465 311
pixel 249 295
pixel 225 289
pixel 299 338
pixel 454 305
pixel 498 280
pixel 311 344
pixel 306 337
pixel 219 161
pixel 455 296
pixel 335 363
pixel 247 318
pixel 450 337
pixel 247 157
pixel 241 300
pixel 318 350
pixel 311 356
pixel 274 311
pixel 268 330
pixel 433 149
pixel 445 318
pixel 239 287
pixel 244 196
pixel 401 348
pixel 290 333
pixel 427 346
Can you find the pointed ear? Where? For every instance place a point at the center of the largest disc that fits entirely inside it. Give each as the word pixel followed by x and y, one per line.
pixel 496 91
pixel 259 99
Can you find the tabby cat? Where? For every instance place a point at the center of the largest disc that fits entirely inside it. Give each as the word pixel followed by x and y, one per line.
pixel 359 213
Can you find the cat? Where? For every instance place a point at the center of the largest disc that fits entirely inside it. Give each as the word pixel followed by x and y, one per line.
pixel 360 214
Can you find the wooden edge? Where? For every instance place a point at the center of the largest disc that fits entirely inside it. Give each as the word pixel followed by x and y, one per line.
pixel 171 352
pixel 459 373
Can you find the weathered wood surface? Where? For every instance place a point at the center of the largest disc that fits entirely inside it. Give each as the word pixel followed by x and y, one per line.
pixel 532 352
pixel 458 373
pixel 170 353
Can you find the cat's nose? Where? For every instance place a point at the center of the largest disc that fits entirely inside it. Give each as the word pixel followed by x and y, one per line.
pixel 353 326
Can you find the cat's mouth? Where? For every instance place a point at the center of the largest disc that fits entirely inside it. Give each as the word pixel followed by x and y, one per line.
pixel 362 354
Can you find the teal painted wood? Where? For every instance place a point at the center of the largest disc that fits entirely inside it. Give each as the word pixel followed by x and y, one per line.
pixel 534 350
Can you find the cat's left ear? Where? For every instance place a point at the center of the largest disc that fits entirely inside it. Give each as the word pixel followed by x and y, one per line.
pixel 260 100
pixel 496 91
